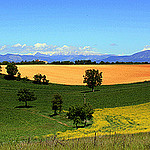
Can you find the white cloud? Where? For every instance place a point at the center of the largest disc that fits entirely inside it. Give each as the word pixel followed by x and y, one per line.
pixel 24 45
pixel 65 46
pixel 17 45
pixel 147 47
pixel 3 47
pixel 43 48
pixel 86 47
pixel 39 45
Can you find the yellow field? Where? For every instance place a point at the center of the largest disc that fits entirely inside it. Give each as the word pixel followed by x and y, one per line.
pixel 73 74
pixel 119 120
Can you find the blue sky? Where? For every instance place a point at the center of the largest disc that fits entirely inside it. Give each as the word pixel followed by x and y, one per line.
pixel 109 26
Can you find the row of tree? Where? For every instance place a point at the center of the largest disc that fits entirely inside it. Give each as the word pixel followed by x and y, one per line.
pixel 23 62
pixel 92 77
pixel 12 70
pixel 77 62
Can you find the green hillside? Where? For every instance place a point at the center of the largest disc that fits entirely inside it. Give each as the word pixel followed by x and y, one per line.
pixel 17 123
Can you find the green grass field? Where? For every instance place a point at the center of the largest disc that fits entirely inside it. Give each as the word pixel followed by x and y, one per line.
pixel 18 123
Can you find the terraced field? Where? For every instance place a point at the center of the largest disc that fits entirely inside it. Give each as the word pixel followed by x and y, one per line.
pixel 73 74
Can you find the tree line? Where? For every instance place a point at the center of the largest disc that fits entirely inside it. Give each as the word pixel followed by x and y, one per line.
pixel 77 62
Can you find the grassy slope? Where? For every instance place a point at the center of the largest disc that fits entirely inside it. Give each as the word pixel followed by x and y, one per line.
pixel 140 141
pixel 21 122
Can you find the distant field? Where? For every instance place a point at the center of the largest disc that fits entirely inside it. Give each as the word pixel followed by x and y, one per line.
pixel 73 74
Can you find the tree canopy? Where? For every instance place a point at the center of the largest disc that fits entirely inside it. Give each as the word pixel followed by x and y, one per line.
pixel 80 113
pixel 25 95
pixel 12 69
pixel 92 78
pixel 39 77
pixel 57 103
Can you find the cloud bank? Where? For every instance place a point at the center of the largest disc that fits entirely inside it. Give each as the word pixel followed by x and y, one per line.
pixel 43 48
pixel 147 47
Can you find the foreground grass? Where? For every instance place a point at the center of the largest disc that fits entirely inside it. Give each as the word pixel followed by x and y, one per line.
pixel 18 123
pixel 140 141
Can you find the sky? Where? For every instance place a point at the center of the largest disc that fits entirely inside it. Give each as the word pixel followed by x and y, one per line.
pixel 106 26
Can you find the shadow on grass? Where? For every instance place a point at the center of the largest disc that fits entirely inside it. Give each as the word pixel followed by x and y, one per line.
pixel 90 91
pixel 24 106
pixel 53 115
pixel 8 77
pixel 84 126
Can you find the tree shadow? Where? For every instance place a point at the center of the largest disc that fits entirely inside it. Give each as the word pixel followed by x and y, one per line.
pixel 8 77
pixel 82 126
pixel 53 115
pixel 90 91
pixel 24 106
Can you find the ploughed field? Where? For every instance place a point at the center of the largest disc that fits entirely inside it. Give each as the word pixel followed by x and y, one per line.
pixel 73 74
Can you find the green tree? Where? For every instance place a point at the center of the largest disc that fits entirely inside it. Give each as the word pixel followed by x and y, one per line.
pixel 38 78
pixel 12 69
pixel 26 95
pixel 75 114
pixel 92 78
pixel 57 103
pixel 87 112
pixel 44 79
pixel 80 113
pixel 18 76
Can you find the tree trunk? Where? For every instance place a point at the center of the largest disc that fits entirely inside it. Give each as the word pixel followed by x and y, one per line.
pixel 85 122
pixel 25 103
pixel 92 89
pixel 55 112
pixel 76 126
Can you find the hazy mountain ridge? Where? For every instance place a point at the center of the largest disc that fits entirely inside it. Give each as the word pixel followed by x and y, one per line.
pixel 143 56
pixel 43 57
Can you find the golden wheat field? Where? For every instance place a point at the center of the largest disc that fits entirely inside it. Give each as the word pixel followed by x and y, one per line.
pixel 73 74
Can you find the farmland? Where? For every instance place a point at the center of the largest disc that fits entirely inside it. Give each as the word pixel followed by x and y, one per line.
pixel 118 109
pixel 17 123
pixel 73 74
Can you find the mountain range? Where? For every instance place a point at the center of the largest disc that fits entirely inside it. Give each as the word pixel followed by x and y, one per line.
pixel 143 56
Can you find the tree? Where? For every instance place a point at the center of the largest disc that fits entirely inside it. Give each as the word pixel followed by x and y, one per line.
pixel 25 95
pixel 18 76
pixel 12 69
pixel 44 79
pixel 80 113
pixel 92 78
pixel 57 103
pixel 75 114
pixel 87 112
pixel 38 78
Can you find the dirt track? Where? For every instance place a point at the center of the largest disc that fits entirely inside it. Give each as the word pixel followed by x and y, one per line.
pixel 73 74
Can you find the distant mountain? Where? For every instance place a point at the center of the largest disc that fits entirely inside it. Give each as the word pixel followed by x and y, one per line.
pixel 143 56
pixel 48 58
